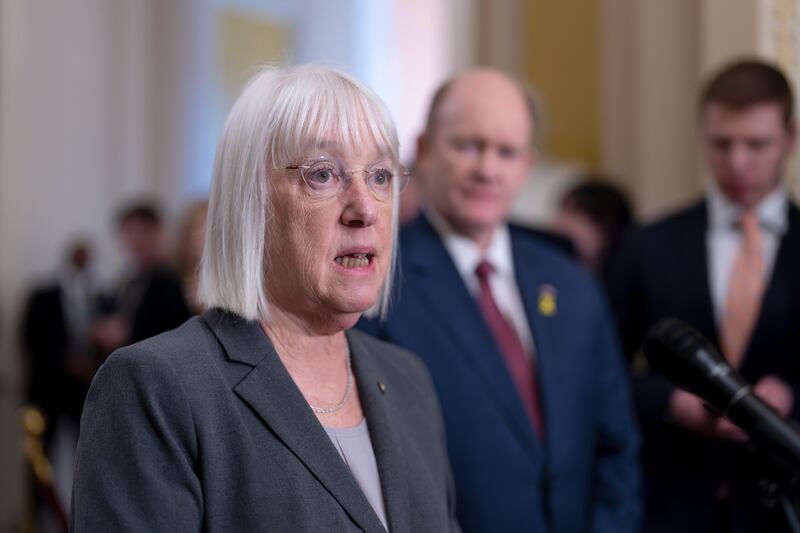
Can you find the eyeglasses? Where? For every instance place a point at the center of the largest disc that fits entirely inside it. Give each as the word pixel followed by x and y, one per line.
pixel 325 178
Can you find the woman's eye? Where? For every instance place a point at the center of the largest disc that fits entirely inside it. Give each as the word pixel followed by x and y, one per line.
pixel 382 177
pixel 321 175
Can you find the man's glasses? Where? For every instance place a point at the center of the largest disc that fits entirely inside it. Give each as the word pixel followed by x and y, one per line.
pixel 325 178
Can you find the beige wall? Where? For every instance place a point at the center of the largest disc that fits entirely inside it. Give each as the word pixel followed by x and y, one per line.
pixel 656 56
pixel 649 79
pixel 81 131
pixel 559 43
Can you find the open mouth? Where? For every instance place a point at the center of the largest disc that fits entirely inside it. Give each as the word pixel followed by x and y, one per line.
pixel 358 260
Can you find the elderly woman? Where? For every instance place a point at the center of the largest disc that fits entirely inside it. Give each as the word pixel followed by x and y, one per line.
pixel 268 413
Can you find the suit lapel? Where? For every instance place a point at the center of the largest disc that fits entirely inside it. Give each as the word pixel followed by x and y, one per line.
pixel 385 443
pixel 439 284
pixel 533 282
pixel 270 392
pixel 779 288
pixel 695 280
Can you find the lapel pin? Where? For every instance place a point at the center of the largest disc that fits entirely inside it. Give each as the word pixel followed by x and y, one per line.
pixel 382 387
pixel 547 300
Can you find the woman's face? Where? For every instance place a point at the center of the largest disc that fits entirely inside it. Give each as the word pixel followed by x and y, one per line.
pixel 327 257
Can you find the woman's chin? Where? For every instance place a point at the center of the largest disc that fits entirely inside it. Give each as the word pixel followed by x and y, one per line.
pixel 357 307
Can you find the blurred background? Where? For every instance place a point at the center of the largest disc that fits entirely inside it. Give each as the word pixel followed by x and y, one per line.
pixel 108 102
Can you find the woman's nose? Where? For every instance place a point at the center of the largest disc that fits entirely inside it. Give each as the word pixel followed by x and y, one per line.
pixel 360 206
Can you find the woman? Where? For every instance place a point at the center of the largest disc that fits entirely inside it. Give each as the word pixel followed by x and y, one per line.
pixel 267 413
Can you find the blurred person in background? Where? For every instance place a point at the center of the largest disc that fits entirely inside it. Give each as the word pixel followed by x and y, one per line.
pixel 191 236
pixel 594 216
pixel 62 359
pixel 267 413
pixel 540 426
pixel 149 299
pixel 729 266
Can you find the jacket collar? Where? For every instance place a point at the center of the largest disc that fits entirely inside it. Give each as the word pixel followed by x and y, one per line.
pixel 436 280
pixel 270 391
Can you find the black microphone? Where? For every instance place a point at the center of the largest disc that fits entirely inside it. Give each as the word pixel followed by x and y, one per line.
pixel 688 360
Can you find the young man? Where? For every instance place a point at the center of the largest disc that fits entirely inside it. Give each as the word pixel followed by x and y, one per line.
pixel 730 267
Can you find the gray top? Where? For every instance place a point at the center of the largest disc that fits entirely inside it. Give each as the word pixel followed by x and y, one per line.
pixel 355 447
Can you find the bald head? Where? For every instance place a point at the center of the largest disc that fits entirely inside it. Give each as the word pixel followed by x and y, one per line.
pixel 485 88
pixel 476 151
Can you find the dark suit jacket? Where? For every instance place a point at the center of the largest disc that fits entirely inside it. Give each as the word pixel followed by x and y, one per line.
pixel 584 475
pixel 663 272
pixel 151 301
pixel 203 429
pixel 47 341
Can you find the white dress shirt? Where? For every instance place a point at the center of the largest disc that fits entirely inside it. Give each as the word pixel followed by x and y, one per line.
pixel 724 237
pixel 466 256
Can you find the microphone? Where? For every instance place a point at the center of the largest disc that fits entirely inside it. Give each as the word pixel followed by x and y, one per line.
pixel 689 361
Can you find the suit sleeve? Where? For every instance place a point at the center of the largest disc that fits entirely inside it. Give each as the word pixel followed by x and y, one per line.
pixel 652 391
pixel 618 481
pixel 137 447
pixel 625 292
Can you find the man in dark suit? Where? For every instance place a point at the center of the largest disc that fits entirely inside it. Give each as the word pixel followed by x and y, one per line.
pixel 540 428
pixel 149 298
pixel 56 333
pixel 729 266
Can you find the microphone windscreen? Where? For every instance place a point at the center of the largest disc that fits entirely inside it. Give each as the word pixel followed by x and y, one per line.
pixel 688 360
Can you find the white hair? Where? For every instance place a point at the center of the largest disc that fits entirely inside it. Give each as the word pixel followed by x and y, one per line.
pixel 281 113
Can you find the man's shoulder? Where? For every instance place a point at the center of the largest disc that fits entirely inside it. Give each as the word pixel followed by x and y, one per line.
pixel 532 248
pixel 543 237
pixel 688 218
pixel 417 229
pixel 793 216
pixel 47 293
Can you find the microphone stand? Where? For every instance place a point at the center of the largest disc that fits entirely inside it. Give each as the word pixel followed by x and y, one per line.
pixel 781 486
pixel 692 363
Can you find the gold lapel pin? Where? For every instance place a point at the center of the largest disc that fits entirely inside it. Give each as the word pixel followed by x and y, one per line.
pixel 547 300
pixel 382 387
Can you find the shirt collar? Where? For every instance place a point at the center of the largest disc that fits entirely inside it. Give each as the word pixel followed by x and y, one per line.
pixel 466 254
pixel 772 210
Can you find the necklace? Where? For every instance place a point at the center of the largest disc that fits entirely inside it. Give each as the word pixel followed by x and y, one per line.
pixel 347 387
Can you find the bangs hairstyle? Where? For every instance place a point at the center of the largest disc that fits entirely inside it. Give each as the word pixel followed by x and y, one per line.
pixel 281 116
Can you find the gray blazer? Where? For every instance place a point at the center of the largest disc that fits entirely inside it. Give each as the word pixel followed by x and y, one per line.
pixel 203 429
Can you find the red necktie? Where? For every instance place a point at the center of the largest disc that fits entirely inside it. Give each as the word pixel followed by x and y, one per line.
pixel 519 364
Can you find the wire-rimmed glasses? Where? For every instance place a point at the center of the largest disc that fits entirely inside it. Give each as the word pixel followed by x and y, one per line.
pixel 324 178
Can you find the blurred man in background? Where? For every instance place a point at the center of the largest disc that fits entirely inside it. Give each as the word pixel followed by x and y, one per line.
pixel 149 298
pixel 62 359
pixel 540 427
pixel 730 267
